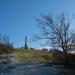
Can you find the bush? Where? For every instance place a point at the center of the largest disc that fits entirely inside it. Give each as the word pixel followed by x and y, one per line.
pixel 5 45
pixel 44 49
pixel 5 48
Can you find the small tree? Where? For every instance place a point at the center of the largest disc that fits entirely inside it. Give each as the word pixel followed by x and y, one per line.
pixel 56 31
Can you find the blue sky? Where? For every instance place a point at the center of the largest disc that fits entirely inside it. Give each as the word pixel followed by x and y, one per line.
pixel 17 17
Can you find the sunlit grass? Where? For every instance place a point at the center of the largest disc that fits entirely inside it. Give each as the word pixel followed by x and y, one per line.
pixel 27 55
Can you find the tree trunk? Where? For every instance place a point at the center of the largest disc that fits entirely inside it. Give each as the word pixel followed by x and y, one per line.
pixel 66 61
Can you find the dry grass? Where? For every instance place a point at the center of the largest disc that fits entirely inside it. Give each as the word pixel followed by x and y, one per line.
pixel 27 55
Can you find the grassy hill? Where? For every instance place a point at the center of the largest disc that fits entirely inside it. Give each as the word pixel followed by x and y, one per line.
pixel 29 55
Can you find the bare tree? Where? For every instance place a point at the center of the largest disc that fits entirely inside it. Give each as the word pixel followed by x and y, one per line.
pixel 56 30
pixel 4 39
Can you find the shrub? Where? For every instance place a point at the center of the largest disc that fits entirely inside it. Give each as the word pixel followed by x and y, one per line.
pixel 5 48
pixel 5 45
